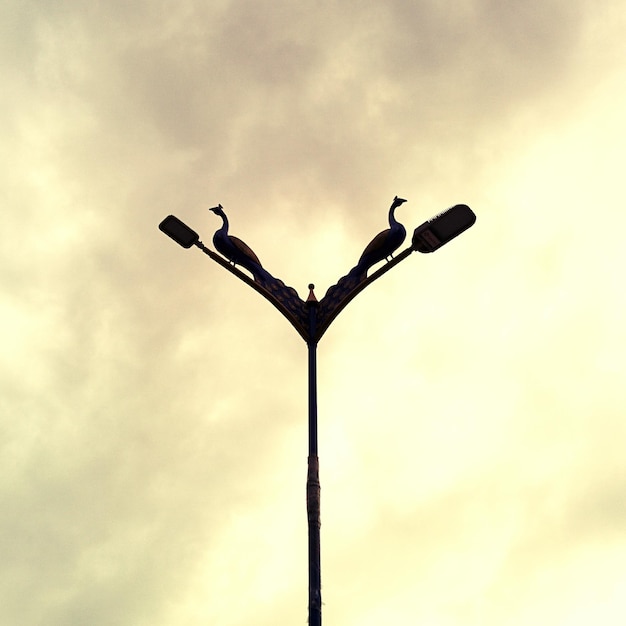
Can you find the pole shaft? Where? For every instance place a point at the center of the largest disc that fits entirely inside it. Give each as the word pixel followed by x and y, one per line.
pixel 313 484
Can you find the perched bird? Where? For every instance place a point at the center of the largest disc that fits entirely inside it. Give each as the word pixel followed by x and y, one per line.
pixel 235 250
pixel 386 243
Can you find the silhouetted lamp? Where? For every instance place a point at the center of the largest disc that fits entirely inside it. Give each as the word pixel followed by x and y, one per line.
pixel 442 228
pixel 311 318
pixel 179 231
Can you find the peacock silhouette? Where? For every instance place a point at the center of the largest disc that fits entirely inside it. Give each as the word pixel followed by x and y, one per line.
pixel 384 244
pixel 235 250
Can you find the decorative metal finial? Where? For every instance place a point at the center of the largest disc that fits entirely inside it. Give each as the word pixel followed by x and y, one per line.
pixel 311 297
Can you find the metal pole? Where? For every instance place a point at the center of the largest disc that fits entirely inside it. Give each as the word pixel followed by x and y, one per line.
pixel 313 479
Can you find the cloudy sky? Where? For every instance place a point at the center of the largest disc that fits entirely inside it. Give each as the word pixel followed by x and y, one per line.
pixel 471 402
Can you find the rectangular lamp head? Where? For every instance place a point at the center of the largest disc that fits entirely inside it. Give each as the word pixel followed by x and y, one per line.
pixel 179 231
pixel 442 228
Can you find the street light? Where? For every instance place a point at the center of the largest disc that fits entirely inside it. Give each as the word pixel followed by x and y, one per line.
pixel 311 318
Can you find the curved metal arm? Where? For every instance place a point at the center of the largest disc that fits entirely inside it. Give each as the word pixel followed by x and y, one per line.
pixel 340 295
pixel 284 298
pixel 429 236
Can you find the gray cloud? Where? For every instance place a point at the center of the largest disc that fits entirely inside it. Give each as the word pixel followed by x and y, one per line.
pixel 138 422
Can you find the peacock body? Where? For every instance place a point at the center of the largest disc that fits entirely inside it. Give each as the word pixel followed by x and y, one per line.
pixel 385 243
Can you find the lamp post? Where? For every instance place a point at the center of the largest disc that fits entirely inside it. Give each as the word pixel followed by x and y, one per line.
pixel 311 318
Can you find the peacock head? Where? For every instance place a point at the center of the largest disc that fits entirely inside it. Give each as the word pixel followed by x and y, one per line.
pixel 218 210
pixel 397 202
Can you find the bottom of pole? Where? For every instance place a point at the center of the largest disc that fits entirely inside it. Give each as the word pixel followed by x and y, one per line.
pixel 314 521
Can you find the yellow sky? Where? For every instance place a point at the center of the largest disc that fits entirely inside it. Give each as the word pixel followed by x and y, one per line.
pixel 471 403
